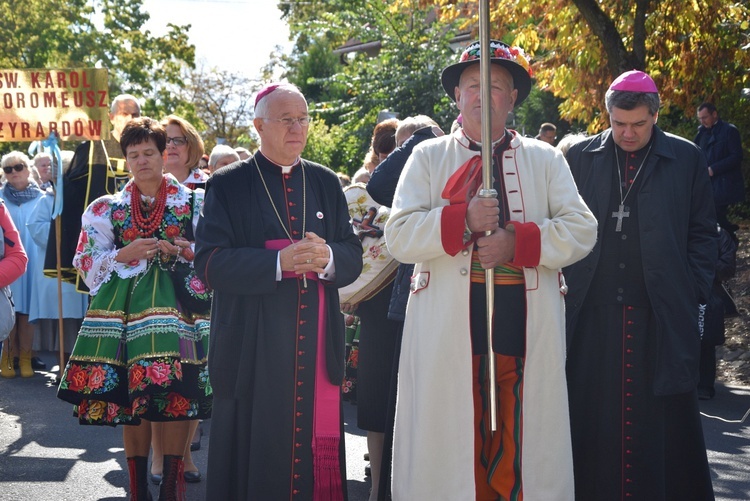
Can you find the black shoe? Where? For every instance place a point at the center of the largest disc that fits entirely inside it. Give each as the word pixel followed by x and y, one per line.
pixel 192 477
pixel 155 478
pixel 706 393
pixel 37 364
pixel 195 445
pixel 367 471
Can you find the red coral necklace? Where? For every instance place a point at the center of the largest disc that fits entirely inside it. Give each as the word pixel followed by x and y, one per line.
pixel 147 224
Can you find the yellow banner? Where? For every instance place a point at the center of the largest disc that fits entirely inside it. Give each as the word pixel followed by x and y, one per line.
pixel 74 103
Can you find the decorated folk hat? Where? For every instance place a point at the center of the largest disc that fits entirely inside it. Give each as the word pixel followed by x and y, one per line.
pixel 512 59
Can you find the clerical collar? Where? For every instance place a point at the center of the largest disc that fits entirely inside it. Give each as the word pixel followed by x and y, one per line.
pixel 477 145
pixel 285 169
pixel 632 157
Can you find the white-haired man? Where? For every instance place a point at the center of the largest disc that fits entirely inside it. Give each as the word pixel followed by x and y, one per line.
pixel 274 243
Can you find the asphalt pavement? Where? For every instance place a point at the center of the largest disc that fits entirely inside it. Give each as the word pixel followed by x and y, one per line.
pixel 46 456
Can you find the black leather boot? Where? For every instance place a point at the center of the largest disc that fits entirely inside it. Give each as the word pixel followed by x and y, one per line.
pixel 172 487
pixel 138 470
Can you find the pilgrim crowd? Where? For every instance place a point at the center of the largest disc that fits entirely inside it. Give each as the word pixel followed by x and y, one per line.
pixel 545 338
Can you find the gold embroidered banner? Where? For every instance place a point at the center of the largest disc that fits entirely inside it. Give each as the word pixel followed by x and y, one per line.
pixel 74 103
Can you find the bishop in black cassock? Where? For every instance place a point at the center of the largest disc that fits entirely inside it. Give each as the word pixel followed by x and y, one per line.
pixel 632 307
pixel 277 339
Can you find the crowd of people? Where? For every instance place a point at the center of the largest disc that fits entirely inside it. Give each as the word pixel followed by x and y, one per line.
pixel 587 281
pixel 98 259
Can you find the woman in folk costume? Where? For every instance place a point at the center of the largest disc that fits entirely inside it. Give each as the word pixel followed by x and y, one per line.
pixel 443 447
pixel 141 353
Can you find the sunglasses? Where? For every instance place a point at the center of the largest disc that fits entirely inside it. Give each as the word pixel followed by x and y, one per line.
pixel 11 168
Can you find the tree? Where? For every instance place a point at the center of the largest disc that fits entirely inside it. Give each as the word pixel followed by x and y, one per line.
pixel 694 50
pixel 218 103
pixel 332 146
pixel 61 34
pixel 223 102
pixel 403 78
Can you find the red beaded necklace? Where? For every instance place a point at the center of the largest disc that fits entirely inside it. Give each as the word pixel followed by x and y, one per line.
pixel 146 225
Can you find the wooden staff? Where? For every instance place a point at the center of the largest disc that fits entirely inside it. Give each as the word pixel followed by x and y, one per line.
pixel 487 190
pixel 60 323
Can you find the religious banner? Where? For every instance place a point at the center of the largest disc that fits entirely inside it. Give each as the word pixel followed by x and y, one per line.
pixel 71 103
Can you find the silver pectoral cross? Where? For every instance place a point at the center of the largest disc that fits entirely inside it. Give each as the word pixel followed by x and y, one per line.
pixel 621 213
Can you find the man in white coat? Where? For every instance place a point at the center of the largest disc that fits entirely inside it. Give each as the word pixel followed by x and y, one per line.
pixel 443 448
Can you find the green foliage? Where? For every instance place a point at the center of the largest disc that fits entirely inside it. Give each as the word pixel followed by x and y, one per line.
pixel 349 91
pixel 34 38
pixel 312 72
pixel 538 108
pixel 157 69
pixel 62 34
pixel 332 146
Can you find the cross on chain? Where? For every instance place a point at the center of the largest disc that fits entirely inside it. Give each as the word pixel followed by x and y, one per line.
pixel 621 213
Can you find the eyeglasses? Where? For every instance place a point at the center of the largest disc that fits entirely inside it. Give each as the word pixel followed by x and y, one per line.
pixel 17 168
pixel 289 122
pixel 177 141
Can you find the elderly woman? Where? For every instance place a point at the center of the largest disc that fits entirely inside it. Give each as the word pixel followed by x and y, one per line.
pixel 20 194
pixel 141 353
pixel 43 165
pixel 184 151
pixel 44 312
pixel 221 156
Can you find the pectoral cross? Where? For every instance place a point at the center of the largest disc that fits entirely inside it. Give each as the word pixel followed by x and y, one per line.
pixel 621 213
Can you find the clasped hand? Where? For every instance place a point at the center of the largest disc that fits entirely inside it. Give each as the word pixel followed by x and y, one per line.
pixel 309 254
pixel 483 214
pixel 146 248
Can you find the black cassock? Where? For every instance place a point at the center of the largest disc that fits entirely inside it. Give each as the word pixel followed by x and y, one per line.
pixel 628 443
pixel 263 345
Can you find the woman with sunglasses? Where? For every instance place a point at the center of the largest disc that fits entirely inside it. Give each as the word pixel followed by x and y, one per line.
pixel 20 194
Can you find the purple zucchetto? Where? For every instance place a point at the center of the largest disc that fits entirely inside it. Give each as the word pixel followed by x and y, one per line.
pixel 634 81
pixel 265 91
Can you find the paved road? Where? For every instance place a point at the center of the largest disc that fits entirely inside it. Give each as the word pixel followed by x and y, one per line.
pixel 46 456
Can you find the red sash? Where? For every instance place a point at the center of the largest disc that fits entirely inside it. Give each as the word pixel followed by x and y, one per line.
pixel 464 183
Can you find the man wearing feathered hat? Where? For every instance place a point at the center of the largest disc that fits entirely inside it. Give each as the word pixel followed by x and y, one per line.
pixel 633 306
pixel 443 448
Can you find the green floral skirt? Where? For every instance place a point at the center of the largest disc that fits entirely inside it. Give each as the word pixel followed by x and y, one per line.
pixel 138 355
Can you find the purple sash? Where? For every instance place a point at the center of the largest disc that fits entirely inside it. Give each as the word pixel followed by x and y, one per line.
pixel 326 416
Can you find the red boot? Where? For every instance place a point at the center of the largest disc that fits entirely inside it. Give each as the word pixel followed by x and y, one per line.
pixel 172 487
pixel 138 470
